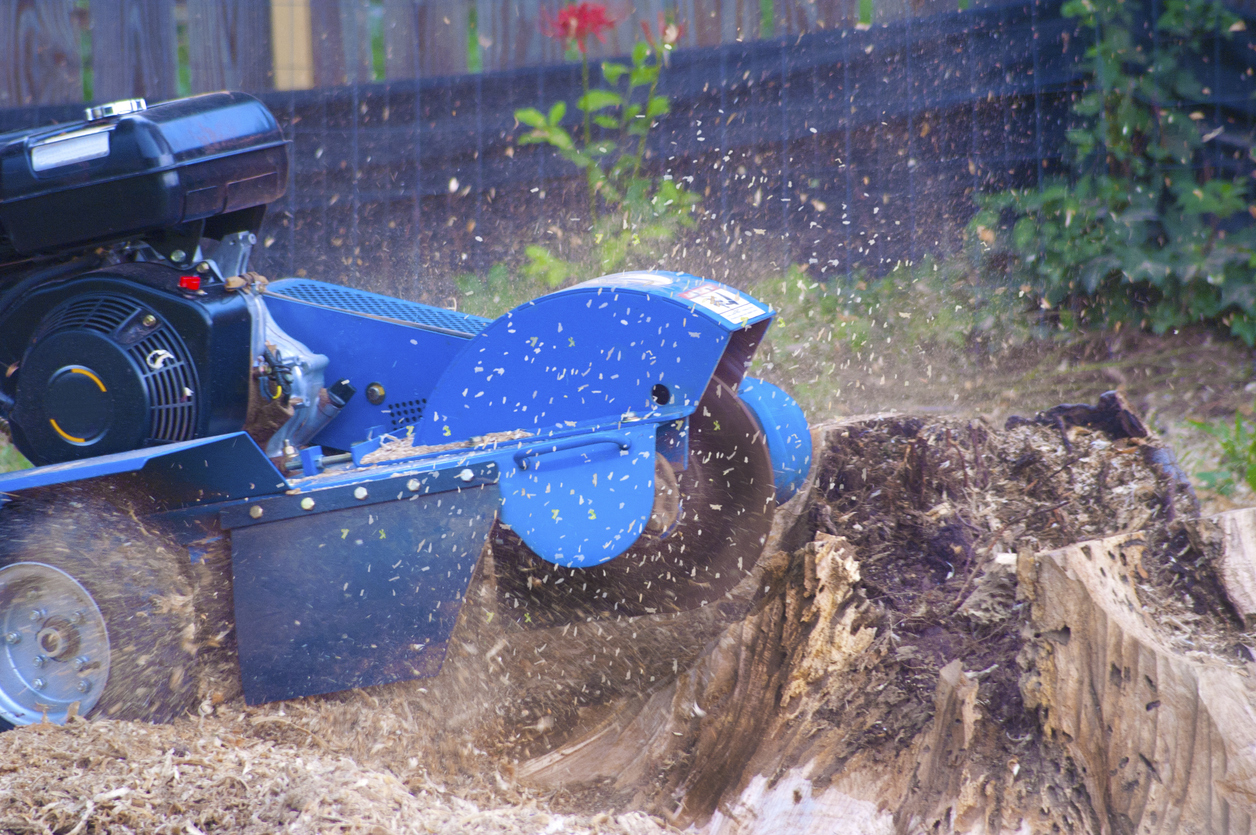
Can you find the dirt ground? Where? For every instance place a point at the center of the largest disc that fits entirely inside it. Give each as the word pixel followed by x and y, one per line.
pixel 891 598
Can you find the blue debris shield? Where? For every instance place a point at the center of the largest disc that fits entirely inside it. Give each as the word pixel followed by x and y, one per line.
pixel 355 590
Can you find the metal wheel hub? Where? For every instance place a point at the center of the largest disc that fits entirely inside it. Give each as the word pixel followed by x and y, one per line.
pixel 54 648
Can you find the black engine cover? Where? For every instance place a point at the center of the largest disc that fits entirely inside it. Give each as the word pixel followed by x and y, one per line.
pixel 121 358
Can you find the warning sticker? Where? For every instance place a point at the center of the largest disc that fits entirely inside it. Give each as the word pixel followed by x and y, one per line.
pixel 723 301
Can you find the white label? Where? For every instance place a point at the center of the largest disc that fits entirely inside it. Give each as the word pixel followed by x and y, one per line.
pixel 723 301
pixel 59 152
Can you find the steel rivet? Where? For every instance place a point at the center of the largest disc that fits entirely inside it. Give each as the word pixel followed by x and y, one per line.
pixel 307 503
pixel 256 511
pixel 80 663
pixel 149 320
pixel 359 493
pixel 178 255
pixel 84 685
pixel 12 638
pixel 466 475
pixel 38 614
pixel 413 485
pixel 39 684
pixel 39 661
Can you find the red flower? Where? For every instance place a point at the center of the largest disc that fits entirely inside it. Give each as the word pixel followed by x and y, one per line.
pixel 576 21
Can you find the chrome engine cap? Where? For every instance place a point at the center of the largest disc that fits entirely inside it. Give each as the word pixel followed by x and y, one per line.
pixel 120 107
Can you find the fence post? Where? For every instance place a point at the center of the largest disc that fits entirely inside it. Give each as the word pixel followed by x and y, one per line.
pixel 425 38
pixel 229 45
pixel 133 49
pixel 796 17
pixel 713 22
pixel 510 34
pixel 291 44
pixel 341 41
pixel 39 53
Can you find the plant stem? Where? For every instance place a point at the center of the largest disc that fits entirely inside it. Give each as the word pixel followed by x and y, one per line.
pixel 588 134
pixel 636 160
pixel 584 88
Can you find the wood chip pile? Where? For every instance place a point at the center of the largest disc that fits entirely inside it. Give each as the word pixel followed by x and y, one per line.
pixel 204 776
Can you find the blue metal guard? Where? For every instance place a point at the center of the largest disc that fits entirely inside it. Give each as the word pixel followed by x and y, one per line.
pixel 381 307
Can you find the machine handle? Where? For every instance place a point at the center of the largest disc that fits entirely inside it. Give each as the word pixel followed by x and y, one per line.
pixel 522 456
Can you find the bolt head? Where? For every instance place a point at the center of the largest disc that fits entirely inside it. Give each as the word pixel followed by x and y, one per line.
pixel 359 493
pixel 39 684
pixel 39 661
pixel 77 618
pixel 307 503
pixel 83 685
pixel 413 485
pixel 12 638
pixel 149 320
pixel 80 663
pixel 255 511
pixel 466 474
pixel 37 615
pixel 178 255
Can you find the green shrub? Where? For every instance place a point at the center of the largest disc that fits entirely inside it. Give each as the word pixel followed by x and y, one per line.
pixel 1238 454
pixel 1138 232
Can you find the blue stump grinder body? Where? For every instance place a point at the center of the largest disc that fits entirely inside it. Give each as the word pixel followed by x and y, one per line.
pixel 356 452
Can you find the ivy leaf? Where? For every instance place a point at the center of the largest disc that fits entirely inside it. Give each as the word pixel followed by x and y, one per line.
pixel 1025 233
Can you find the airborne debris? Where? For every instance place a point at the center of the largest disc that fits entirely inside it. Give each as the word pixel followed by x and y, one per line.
pixel 880 660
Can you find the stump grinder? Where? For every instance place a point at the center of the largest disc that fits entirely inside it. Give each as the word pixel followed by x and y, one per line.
pixel 351 455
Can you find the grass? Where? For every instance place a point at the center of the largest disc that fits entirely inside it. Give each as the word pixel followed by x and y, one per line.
pixel 11 459
pixel 917 319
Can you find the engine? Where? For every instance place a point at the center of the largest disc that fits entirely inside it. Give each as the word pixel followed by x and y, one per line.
pixel 127 317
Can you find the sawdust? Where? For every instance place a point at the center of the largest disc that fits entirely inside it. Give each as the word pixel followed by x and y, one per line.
pixel 229 776
pixel 395 449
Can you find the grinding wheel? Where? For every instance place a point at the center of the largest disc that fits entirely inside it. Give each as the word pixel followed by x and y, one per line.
pixel 719 530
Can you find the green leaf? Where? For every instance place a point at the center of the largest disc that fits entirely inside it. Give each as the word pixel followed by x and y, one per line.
pixel 559 138
pixel 545 266
pixel 640 51
pixel 557 112
pixel 531 117
pixel 1025 234
pixel 643 76
pixel 595 100
pixel 606 121
pixel 657 106
pixel 613 72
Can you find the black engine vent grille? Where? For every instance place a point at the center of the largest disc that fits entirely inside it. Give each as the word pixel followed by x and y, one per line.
pixel 98 313
pixel 166 366
pixel 170 378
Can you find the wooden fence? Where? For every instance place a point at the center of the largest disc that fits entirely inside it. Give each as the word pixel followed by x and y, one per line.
pixel 63 51
pixel 847 147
